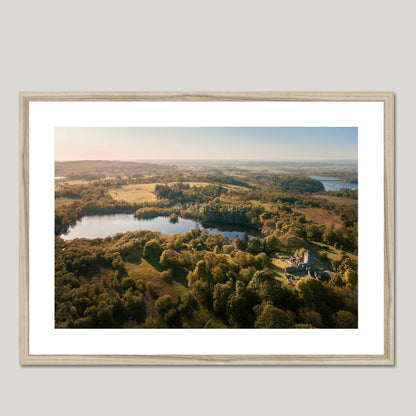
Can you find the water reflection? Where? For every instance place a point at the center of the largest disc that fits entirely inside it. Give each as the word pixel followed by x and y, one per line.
pixel 101 226
pixel 334 184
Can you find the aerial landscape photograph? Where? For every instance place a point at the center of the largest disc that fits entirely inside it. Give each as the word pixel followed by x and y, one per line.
pixel 206 227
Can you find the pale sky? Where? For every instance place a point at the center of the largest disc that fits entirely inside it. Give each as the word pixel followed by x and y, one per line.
pixel 215 143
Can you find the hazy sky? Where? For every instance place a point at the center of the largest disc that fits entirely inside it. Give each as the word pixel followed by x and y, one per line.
pixel 219 143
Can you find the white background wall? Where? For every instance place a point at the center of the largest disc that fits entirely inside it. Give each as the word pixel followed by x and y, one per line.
pixel 217 45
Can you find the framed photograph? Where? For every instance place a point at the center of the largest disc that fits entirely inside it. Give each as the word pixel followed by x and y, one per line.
pixel 207 228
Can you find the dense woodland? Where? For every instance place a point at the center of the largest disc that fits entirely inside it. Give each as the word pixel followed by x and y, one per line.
pixel 194 280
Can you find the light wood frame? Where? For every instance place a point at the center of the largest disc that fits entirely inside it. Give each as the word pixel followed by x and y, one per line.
pixel 386 359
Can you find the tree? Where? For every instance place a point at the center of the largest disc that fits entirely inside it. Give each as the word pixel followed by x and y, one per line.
pixel 244 259
pixel 221 295
pixel 313 233
pixel 202 291
pixel 254 245
pixel 201 271
pixel 290 241
pixel 329 236
pixel 228 248
pixel 263 286
pixel 166 307
pixel 151 289
pixel 239 244
pixel 351 276
pixel 105 315
pixel 269 290
pixel 170 259
pixel 173 218
pixel 135 305
pixel 272 317
pixel 152 249
pixel 245 239
pixel 237 307
pixel 167 276
pixel 218 274
pixel 312 318
pixel 259 277
pixel 311 291
pixel 345 319
pixel 271 244
pixel 262 260
pixel 335 281
pixel 127 283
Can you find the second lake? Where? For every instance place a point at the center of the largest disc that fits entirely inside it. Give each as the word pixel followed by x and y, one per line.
pixel 334 184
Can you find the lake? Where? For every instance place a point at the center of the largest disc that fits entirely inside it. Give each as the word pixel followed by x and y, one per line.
pixel 334 184
pixel 101 226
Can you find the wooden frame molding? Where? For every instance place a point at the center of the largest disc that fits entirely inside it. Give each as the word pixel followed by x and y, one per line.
pixel 386 359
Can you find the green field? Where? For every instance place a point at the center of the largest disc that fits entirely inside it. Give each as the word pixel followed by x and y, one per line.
pixel 331 252
pixel 134 193
pixel 63 202
pixel 278 268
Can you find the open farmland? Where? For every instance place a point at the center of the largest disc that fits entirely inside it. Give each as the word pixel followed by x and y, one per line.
pixel 134 193
pixel 340 200
pixel 144 192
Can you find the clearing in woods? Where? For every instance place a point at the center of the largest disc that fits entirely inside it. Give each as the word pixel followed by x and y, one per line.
pixel 134 193
pixel 319 216
pixel 144 192
pixel 332 253
pixel 141 269
pixel 340 200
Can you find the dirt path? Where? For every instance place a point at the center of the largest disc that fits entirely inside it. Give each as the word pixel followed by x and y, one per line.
pixel 208 323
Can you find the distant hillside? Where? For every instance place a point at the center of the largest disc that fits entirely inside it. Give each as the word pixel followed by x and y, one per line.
pixel 107 168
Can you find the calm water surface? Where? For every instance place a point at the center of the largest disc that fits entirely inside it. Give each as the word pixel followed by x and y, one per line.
pixel 334 184
pixel 101 226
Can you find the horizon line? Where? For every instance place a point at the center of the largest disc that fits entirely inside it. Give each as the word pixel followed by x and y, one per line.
pixel 209 159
